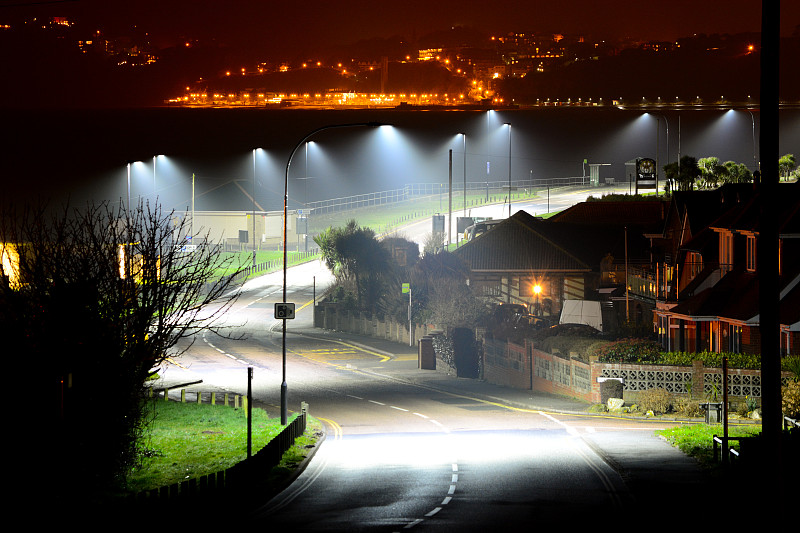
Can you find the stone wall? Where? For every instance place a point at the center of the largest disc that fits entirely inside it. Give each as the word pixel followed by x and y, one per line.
pixel 339 318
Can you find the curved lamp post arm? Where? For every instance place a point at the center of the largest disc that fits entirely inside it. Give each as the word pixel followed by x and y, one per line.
pixel 284 387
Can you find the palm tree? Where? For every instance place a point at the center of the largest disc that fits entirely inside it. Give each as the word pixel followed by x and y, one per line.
pixel 786 164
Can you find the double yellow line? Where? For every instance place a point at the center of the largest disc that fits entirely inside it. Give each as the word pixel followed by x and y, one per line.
pixel 336 428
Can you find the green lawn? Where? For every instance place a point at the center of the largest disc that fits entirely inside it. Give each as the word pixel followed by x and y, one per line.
pixel 696 440
pixel 188 440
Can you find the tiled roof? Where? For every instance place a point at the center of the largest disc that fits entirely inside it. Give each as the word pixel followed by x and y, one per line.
pixel 745 216
pixel 735 296
pixel 703 207
pixel 525 243
pixel 647 215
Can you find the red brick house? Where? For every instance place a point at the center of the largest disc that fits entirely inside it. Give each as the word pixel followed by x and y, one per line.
pixel 716 307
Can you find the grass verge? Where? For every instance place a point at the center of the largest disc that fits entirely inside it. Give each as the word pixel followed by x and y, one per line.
pixel 696 440
pixel 185 441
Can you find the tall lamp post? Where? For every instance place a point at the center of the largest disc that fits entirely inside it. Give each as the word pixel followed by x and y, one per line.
pixel 658 144
pixel 128 206
pixel 254 206
pixel 509 168
pixel 155 157
pixel 755 157
pixel 284 386
pixel 464 137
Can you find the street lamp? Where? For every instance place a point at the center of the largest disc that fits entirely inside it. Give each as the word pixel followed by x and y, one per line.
pixel 755 158
pixel 284 386
pixel 464 137
pixel 509 168
pixel 658 144
pixel 254 205
pixel 155 159
pixel 129 166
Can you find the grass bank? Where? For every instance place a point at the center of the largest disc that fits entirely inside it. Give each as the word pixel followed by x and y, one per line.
pixel 185 441
pixel 696 440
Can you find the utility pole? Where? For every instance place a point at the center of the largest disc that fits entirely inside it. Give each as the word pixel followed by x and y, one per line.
pixel 773 480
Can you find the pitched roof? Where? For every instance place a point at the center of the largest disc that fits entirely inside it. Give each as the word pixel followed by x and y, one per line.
pixel 735 297
pixel 646 214
pixel 703 207
pixel 523 243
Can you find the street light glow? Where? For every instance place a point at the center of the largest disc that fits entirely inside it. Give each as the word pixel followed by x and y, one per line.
pixel 284 385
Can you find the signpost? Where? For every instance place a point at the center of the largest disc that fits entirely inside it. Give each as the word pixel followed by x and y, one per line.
pixel 407 289
pixel 646 177
pixel 284 311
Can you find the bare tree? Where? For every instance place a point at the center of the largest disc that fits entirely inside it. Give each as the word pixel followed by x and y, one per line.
pixel 98 298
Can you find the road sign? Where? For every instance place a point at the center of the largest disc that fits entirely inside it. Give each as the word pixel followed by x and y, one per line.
pixel 284 311
pixel 406 288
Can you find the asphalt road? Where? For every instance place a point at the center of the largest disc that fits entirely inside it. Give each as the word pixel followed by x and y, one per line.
pixel 401 453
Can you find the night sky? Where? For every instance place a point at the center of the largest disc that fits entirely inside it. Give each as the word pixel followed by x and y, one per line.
pixel 270 25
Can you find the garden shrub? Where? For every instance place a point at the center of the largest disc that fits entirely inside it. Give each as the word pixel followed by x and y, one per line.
pixel 790 399
pixel 792 364
pixel 711 359
pixel 657 400
pixel 583 346
pixel 687 407
pixel 630 351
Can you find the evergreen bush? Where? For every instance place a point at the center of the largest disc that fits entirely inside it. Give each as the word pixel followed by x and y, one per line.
pixel 634 351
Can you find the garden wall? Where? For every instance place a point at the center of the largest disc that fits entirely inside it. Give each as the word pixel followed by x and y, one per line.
pixel 512 365
pixel 337 317
pixel 522 366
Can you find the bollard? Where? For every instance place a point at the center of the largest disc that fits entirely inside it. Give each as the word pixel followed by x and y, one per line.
pixel 213 398
pixel 226 399
pixel 183 395
pixel 198 397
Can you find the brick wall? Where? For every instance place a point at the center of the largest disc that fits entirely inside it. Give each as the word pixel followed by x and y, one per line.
pixel 524 367
pixel 507 364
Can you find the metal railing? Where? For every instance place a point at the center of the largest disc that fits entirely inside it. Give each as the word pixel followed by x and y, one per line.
pixel 414 191
pixel 728 455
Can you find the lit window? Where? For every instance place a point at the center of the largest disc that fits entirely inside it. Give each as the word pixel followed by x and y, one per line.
pixel 725 252
pixel 751 253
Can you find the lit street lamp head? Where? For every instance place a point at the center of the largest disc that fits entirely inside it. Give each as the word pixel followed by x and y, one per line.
pixel 284 387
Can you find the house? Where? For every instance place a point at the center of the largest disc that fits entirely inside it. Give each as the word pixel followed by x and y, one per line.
pixel 542 263
pixel 650 227
pixel 716 306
